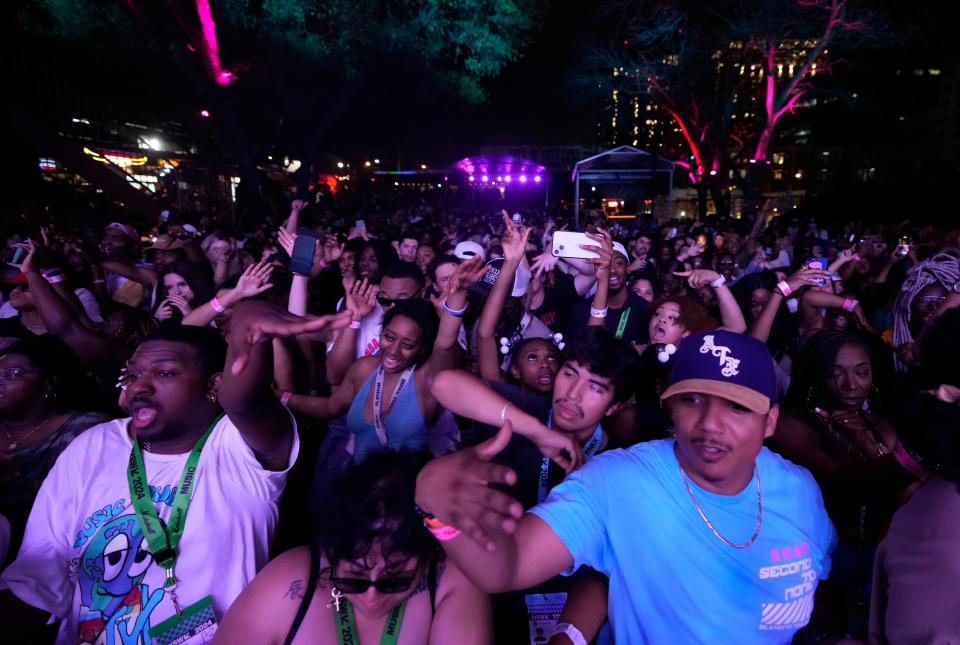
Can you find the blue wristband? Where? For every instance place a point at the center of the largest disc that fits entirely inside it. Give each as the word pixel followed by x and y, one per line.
pixel 456 313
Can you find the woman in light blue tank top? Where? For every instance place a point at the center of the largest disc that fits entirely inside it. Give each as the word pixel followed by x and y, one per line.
pixel 414 345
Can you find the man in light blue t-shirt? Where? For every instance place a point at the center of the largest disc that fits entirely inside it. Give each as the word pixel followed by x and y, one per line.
pixel 706 537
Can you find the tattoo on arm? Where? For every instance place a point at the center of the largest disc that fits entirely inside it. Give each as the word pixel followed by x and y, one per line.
pixel 295 591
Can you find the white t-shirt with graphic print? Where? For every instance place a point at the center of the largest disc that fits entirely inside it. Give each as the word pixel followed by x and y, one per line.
pixel 84 558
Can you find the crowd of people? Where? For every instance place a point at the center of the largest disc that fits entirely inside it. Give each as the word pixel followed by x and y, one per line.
pixel 431 425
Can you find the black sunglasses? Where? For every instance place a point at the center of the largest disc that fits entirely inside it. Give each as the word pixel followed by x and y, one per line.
pixel 383 585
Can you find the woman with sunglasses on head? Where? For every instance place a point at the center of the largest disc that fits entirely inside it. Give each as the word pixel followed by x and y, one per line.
pixel 373 573
pixel 386 396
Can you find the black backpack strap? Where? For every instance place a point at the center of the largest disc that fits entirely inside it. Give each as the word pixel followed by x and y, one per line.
pixel 307 596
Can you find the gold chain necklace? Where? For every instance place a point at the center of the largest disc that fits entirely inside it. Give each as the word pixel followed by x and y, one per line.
pixel 703 515
pixel 15 442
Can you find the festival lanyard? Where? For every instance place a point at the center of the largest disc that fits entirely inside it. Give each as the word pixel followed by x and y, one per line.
pixel 589 450
pixel 622 325
pixel 378 424
pixel 347 628
pixel 164 538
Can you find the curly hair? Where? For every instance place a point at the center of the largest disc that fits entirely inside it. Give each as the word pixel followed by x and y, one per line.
pixel 372 504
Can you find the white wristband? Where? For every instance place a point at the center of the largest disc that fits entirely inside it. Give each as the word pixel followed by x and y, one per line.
pixel 719 282
pixel 598 313
pixel 574 634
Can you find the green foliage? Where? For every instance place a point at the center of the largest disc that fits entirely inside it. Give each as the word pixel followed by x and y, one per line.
pixel 461 42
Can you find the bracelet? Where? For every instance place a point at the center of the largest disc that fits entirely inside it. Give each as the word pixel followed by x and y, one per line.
pixel 784 288
pixel 598 313
pixel 99 281
pixel 456 313
pixel 571 631
pixel 439 530
pixel 215 304
pixel 849 304
pixel 503 412
pixel 285 398
pixel 719 282
pixel 53 276
pixel 354 324
pixel 906 460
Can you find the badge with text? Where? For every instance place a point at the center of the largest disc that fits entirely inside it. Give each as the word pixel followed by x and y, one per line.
pixel 197 624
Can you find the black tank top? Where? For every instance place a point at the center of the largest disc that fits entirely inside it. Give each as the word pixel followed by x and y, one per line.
pixel 312 587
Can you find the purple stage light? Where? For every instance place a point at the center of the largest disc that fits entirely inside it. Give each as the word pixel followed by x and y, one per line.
pixel 484 179
pixel 523 179
pixel 537 179
pixel 472 178
pixel 508 179
pixel 499 177
pixel 205 113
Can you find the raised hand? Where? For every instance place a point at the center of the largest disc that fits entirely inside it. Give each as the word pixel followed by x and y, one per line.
pixel 604 253
pixel 807 277
pixel 254 280
pixel 297 206
pixel 29 264
pixel 286 240
pixel 514 242
pixel 545 262
pixel 455 489
pixel 332 249
pixel 467 274
pixel 255 322
pixel 698 277
pixel 360 297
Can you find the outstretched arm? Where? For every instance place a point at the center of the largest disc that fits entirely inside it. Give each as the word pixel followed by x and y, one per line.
pixel 95 351
pixel 245 392
pixel 500 548
pixel 454 299
pixel 468 396
pixel 730 314
pixel 802 278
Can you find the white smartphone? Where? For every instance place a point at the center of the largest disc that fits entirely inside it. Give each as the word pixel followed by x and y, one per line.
pixel 566 244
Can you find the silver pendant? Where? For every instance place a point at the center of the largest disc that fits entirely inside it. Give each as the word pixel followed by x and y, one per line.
pixel 335 597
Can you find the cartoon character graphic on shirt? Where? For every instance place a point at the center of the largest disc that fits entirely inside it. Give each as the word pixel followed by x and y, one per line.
pixel 115 605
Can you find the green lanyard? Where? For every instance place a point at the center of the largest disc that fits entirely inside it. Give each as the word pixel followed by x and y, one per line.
pixel 622 325
pixel 164 538
pixel 347 628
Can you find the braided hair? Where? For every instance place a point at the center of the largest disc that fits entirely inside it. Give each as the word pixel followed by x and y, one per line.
pixel 943 269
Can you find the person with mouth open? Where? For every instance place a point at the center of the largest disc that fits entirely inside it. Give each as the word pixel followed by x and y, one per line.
pixel 110 549
pixel 706 537
pixel 387 397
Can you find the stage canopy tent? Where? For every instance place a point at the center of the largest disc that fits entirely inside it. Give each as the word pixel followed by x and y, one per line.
pixel 625 172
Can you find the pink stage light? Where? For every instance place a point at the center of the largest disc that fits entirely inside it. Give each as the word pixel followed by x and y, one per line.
pixel 472 178
pixel 537 179
pixel 484 179
pixel 523 179
pixel 508 179
pixel 205 114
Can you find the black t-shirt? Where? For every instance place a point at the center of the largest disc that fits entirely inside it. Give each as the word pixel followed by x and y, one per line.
pixel 634 315
pixel 523 456
pixel 558 301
